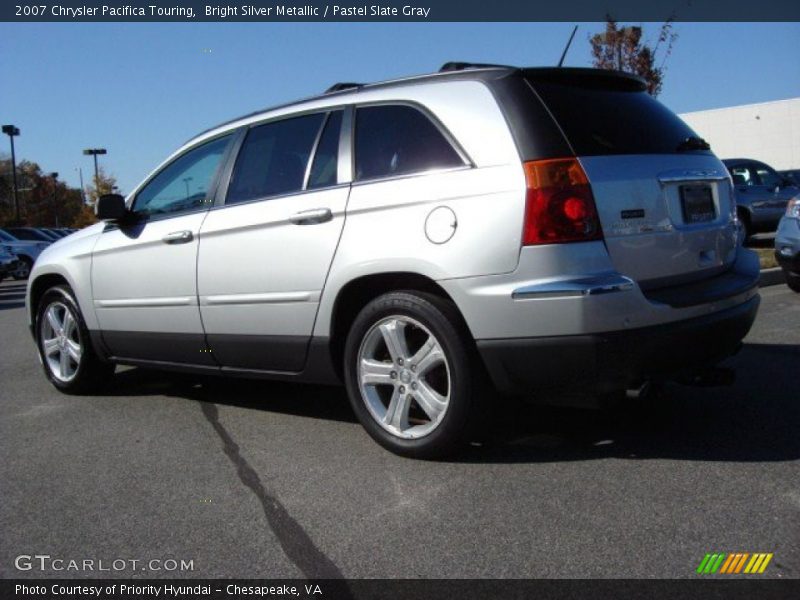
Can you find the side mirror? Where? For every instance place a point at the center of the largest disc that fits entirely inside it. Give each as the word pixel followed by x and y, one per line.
pixel 110 207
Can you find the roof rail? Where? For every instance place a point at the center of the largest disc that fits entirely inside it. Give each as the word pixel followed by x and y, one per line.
pixel 338 87
pixel 462 66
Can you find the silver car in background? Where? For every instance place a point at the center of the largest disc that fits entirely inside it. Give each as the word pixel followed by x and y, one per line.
pixel 787 244
pixel 27 251
pixel 9 263
pixel 550 233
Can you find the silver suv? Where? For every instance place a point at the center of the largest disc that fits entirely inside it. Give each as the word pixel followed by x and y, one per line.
pixel 546 231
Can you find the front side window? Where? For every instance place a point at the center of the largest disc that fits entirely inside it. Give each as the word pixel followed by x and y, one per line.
pixel 185 183
pixel 273 158
pixel 742 175
pixel 398 140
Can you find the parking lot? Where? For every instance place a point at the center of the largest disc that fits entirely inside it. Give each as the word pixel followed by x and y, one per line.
pixel 260 479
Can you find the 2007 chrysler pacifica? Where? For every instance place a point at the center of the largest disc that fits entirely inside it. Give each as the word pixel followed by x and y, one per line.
pixel 538 229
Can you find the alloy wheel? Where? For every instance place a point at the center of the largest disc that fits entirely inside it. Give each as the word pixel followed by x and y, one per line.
pixel 404 377
pixel 60 342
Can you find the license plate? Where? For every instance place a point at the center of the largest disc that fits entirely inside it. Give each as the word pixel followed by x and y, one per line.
pixel 698 204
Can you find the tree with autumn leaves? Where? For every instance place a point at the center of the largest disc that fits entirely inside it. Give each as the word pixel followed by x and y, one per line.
pixel 45 202
pixel 623 49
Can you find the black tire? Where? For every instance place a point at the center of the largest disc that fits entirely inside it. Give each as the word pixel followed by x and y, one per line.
pixel 793 281
pixel 24 269
pixel 91 372
pixel 747 226
pixel 466 385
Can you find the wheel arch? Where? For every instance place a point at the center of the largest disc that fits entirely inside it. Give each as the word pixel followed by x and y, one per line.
pixel 357 293
pixel 37 288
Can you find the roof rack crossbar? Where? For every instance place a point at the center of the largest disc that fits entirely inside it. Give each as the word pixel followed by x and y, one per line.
pixel 338 87
pixel 462 66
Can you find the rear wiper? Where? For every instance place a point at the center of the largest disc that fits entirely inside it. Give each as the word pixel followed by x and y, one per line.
pixel 693 143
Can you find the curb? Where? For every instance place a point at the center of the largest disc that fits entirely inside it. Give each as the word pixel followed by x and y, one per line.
pixel 773 276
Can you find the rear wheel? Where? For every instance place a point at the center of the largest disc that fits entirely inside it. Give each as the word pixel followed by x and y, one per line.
pixel 412 375
pixel 24 268
pixel 67 356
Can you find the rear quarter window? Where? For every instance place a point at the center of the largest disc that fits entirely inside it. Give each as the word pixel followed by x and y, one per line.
pixel 600 120
pixel 397 140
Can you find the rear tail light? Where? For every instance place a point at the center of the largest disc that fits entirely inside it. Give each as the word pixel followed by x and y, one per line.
pixel 559 205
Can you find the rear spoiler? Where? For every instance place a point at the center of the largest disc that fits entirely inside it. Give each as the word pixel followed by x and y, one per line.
pixel 595 78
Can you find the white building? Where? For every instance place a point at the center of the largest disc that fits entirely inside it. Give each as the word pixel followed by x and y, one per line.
pixel 767 131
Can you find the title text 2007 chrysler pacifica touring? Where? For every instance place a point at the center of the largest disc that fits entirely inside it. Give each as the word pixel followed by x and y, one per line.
pixel 540 230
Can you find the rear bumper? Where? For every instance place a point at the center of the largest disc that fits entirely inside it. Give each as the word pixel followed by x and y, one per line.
pixel 606 362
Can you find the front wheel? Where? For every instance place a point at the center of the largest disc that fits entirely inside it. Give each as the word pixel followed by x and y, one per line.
pixel 412 375
pixel 68 358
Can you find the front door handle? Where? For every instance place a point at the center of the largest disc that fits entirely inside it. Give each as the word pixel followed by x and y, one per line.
pixel 178 237
pixel 312 217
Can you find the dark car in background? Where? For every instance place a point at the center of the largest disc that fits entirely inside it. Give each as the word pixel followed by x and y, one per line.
pixel 761 194
pixel 792 175
pixel 8 262
pixel 26 250
pixel 31 234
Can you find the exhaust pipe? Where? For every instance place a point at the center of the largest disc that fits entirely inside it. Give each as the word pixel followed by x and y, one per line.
pixel 640 392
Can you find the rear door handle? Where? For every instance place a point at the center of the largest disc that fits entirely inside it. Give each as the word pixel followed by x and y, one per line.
pixel 312 217
pixel 178 237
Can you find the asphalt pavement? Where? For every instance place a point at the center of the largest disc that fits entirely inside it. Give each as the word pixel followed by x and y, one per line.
pixel 274 480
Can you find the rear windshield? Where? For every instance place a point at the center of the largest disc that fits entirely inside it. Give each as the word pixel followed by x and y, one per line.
pixel 600 121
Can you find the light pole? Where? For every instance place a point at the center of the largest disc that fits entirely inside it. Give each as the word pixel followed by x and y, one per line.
pixel 54 177
pixel 83 190
pixel 12 131
pixel 94 152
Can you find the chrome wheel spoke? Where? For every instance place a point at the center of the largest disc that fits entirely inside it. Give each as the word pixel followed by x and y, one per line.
pixel 397 411
pixel 394 335
pixel 50 346
pixel 427 357
pixel 68 323
pixel 64 366
pixel 74 350
pixel 55 322
pixel 375 372
pixel 429 400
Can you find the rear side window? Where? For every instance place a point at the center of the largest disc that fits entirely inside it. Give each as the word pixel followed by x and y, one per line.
pixel 767 176
pixel 273 158
pixel 599 120
pixel 397 140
